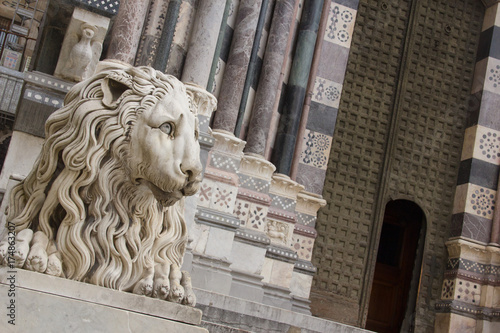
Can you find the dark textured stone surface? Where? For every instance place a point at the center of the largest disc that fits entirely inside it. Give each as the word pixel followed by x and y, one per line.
pixel 488 44
pixel 333 54
pixel 312 178
pixel 31 117
pixel 478 172
pixel 470 226
pixel 490 108
pixel 348 3
pixel 322 118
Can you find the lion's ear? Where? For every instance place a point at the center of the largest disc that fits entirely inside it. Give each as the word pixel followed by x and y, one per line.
pixel 112 90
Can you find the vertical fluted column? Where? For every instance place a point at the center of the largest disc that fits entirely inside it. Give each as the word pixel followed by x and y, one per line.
pixel 127 30
pixel 235 73
pixel 295 93
pixel 262 110
pixel 150 38
pixel 203 42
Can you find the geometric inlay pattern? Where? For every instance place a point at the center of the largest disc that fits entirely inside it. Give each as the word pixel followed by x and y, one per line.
pixel 448 289
pixel 315 149
pixel 282 202
pixel 492 80
pixel 108 6
pixel 491 271
pixel 303 246
pixel 306 219
pixel 252 183
pixel 467 291
pixel 340 25
pixel 483 201
pixel 327 92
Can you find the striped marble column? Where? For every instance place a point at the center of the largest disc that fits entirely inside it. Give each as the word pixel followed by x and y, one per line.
pixel 127 30
pixel 237 64
pixel 288 128
pixel 203 42
pixel 148 45
pixel 471 284
pixel 265 97
pixel 167 35
pixel 178 49
pixel 253 66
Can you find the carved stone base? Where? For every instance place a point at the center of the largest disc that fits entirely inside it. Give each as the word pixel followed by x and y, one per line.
pixel 44 303
pixel 301 305
pixel 277 296
pixel 247 286
pixel 211 274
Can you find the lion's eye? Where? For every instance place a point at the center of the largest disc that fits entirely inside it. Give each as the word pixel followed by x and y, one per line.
pixel 167 128
pixel 196 134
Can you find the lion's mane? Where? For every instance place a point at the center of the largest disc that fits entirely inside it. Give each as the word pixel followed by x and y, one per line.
pixel 79 193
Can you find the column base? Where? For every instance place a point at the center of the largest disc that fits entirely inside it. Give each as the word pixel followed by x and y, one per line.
pixel 247 286
pixel 211 274
pixel 277 296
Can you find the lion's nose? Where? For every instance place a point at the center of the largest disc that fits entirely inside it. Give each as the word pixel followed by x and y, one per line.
pixel 192 169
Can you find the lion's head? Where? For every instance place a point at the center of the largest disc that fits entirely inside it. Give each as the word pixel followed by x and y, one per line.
pixel 108 185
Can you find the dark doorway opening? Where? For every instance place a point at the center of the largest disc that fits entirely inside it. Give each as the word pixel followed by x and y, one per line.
pixel 397 271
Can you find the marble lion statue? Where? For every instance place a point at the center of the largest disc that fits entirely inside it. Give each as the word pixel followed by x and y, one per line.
pixel 104 202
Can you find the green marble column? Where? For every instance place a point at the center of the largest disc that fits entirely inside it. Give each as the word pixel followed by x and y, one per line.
pixel 295 92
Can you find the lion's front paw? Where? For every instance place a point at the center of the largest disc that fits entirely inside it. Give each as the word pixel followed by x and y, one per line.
pixel 145 285
pixel 176 290
pixel 189 296
pixel 162 281
pixel 54 265
pixel 22 247
pixel 37 257
pixel 4 249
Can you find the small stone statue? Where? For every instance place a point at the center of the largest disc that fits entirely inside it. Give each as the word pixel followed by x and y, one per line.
pixel 104 202
pixel 84 54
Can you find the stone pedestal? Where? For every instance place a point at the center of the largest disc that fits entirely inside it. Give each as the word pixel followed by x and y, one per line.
pixel 45 303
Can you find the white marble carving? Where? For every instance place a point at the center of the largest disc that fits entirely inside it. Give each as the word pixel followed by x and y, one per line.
pixel 105 198
pixel 82 46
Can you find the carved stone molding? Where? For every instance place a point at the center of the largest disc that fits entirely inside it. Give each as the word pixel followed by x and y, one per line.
pixel 309 203
pixel 283 186
pixel 204 103
pixel 462 248
pixel 257 166
pixel 305 231
pixel 253 196
pixel 227 143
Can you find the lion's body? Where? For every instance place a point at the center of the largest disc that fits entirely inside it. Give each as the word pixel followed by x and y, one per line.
pixel 98 191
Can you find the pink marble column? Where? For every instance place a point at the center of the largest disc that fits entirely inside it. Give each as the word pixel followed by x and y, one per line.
pixel 127 30
pixel 235 73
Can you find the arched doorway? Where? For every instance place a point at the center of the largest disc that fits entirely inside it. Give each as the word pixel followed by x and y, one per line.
pixel 397 271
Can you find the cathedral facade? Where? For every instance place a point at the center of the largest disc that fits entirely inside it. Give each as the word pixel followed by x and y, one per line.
pixel 351 153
